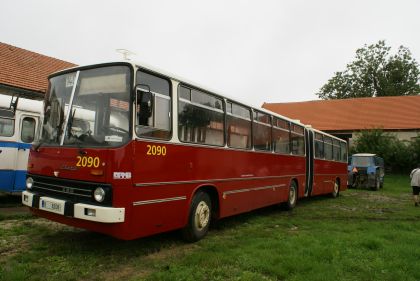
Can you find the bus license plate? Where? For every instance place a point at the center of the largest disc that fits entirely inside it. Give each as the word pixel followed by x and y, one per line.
pixel 55 207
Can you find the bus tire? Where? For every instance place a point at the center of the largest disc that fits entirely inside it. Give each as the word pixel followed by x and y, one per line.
pixel 336 190
pixel 292 196
pixel 199 218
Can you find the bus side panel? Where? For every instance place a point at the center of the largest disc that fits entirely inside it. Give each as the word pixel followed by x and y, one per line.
pixel 325 174
pixel 8 151
pixel 165 184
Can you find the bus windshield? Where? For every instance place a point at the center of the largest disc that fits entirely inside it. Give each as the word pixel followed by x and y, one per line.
pixel 88 108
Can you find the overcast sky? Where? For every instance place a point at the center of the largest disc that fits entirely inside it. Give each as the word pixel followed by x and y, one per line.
pixel 255 51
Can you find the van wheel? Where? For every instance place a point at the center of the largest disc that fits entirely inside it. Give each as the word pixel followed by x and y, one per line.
pixel 336 190
pixel 198 218
pixel 377 183
pixel 292 198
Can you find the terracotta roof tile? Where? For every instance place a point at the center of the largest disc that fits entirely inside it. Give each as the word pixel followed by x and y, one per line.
pixel 27 70
pixel 401 112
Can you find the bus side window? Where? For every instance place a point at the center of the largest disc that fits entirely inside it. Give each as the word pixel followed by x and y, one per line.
pixel 28 129
pixel 153 106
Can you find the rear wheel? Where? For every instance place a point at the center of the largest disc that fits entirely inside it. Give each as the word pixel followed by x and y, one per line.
pixel 198 218
pixel 292 198
pixel 336 190
pixel 377 183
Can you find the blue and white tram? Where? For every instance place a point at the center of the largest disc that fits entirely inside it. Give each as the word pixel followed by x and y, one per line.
pixel 19 122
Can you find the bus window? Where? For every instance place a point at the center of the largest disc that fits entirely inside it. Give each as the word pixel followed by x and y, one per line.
pixel 319 146
pixel 328 149
pixel 238 121
pixel 28 129
pixel 336 150
pixel 281 136
pixel 262 131
pixel 153 106
pixel 343 150
pixel 298 140
pixel 7 127
pixel 200 119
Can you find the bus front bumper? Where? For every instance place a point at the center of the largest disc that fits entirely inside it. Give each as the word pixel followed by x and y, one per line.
pixel 77 210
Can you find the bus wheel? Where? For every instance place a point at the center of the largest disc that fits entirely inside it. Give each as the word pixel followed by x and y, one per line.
pixel 336 190
pixel 292 199
pixel 198 218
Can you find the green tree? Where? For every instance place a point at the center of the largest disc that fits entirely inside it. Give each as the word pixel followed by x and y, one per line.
pixel 375 73
pixel 399 156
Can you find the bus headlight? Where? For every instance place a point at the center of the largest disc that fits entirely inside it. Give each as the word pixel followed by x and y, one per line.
pixel 29 183
pixel 99 194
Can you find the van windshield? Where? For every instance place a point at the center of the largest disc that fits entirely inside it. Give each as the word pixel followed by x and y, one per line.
pixel 362 161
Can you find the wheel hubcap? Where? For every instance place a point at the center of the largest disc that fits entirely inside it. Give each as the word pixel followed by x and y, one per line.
pixel 292 195
pixel 202 215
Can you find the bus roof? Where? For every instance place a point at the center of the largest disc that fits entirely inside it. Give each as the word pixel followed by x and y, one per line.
pixel 23 104
pixel 171 76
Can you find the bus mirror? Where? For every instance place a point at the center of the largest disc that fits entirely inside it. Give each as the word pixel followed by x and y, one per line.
pixel 144 100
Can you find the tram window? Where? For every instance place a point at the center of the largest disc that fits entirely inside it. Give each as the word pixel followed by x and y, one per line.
pixel 200 120
pixel 238 121
pixel 7 127
pixel 262 131
pixel 153 106
pixel 298 140
pixel 28 129
pixel 281 136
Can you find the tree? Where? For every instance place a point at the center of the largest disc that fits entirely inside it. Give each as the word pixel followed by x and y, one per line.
pixel 375 73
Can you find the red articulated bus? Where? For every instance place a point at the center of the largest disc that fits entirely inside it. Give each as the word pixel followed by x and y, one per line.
pixel 128 151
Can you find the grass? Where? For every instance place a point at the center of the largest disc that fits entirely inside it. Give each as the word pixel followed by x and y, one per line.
pixel 362 235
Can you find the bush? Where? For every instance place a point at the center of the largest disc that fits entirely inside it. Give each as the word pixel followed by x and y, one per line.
pixel 399 156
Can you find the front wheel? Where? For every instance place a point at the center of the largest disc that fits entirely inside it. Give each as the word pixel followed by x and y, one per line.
pixel 198 218
pixel 292 198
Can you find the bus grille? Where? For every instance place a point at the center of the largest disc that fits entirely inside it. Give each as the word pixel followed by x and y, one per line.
pixel 70 190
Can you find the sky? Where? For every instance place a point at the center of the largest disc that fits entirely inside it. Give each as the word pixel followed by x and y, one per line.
pixel 252 51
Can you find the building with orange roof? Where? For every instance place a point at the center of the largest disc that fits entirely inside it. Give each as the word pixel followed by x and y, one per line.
pixel 399 115
pixel 25 73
